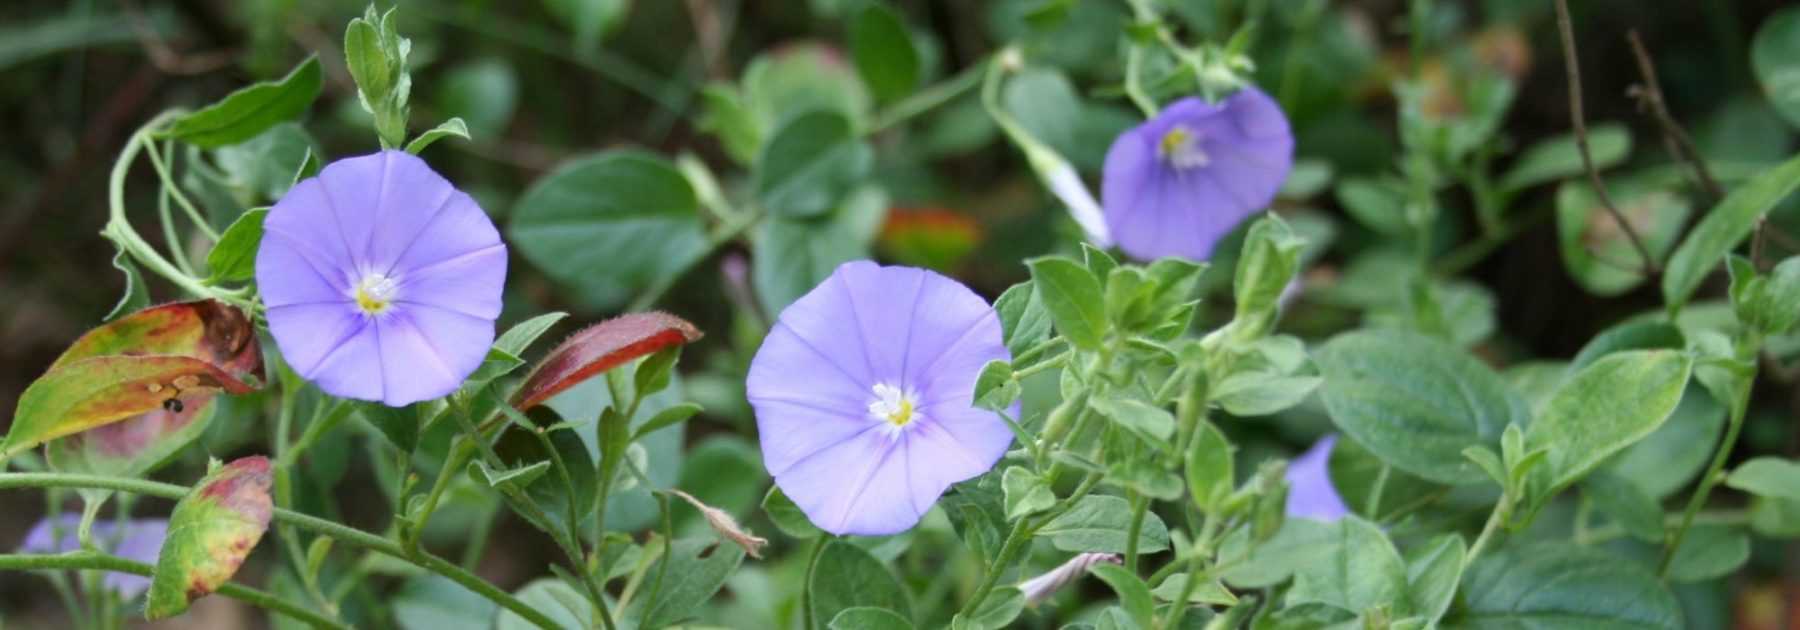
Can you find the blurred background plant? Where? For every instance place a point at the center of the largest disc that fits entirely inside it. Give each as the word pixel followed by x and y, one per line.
pixel 1433 159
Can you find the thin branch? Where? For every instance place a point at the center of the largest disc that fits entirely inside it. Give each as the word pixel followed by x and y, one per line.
pixel 1573 63
pixel 1650 97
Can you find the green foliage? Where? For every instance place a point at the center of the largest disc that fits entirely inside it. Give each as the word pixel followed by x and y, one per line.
pixel 248 112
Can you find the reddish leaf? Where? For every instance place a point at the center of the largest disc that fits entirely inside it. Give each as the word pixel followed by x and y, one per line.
pixel 154 370
pixel 209 330
pixel 211 531
pixel 599 348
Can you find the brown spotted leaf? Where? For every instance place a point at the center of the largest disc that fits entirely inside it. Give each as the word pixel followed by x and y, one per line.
pixel 154 372
pixel 599 348
pixel 211 531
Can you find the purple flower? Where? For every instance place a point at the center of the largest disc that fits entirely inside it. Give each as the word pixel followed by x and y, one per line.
pixel 1175 185
pixel 1310 493
pixel 382 280
pixel 139 540
pixel 863 395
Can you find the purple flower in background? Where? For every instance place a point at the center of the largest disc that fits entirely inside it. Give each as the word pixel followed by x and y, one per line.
pixel 139 540
pixel 1175 185
pixel 863 395
pixel 382 280
pixel 1310 493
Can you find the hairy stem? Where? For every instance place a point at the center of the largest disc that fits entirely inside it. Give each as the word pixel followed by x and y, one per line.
pixel 1739 406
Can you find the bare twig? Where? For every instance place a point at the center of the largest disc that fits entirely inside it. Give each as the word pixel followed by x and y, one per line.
pixel 1573 63
pixel 1650 98
pixel 166 58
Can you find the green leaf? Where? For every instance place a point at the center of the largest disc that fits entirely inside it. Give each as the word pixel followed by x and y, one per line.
pixel 400 425
pixel 610 226
pixel 1606 407
pixel 1299 542
pixel 1261 394
pixel 1209 467
pixel 1432 573
pixel 1211 592
pixel 484 92
pixel 793 256
pixel 554 598
pixel 1506 588
pixel 438 603
pixel 262 168
pixel 1559 157
pixel 884 53
pixel 844 577
pixel 233 259
pixel 1710 551
pixel 590 20
pixel 247 112
pixel 1363 571
pixel 1026 493
pixel 1097 523
pixel 728 117
pixel 99 391
pixel 1152 423
pixel 518 339
pixel 1001 607
pixel 211 531
pixel 810 165
pixel 1633 335
pixel 556 497
pixel 1625 503
pixel 1775 55
pixel 1023 317
pixel 799 79
pixel 1072 295
pixel 1271 256
pixel 1771 477
pixel 786 516
pixel 691 573
pixel 1378 204
pixel 869 618
pixel 1768 303
pixel 1134 596
pixel 1723 227
pixel 995 387
pixel 1416 402
pixel 1669 458
pixel 137 295
pixel 455 127
pixel 665 418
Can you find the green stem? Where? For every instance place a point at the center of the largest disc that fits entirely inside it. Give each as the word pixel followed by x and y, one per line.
pixel 102 562
pixel 1139 508
pixel 171 237
pixel 1502 512
pixel 342 533
pixel 1373 507
pixel 1134 84
pixel 1739 407
pixel 181 199
pixel 1015 542
pixel 118 227
pixel 460 453
pixel 927 99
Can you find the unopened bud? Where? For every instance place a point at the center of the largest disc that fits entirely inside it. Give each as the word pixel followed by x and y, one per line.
pixel 727 526
pixel 1040 588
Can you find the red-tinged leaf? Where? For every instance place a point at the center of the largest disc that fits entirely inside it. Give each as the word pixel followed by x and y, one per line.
pixel 599 348
pixel 137 445
pixel 211 531
pixel 97 391
pixel 209 330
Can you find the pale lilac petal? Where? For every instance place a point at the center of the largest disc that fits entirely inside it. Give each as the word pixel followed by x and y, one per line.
pixel 1157 205
pixel 382 280
pixel 818 379
pixel 1310 492
pixel 142 542
pixel 355 368
pixel 307 332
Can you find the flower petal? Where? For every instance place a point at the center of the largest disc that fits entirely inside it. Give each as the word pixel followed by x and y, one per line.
pixel 855 488
pixel 307 332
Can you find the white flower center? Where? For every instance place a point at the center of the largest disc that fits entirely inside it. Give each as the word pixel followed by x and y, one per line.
pixel 894 406
pixel 375 293
pixel 1180 147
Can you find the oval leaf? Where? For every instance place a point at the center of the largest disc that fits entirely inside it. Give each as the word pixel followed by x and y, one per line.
pixel 1723 228
pixel 102 390
pixel 210 532
pixel 599 348
pixel 810 164
pixel 250 111
pixel 844 577
pixel 1594 589
pixel 1416 402
pixel 1606 407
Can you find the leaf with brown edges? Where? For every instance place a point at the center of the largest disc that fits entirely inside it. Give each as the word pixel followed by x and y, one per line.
pixel 211 531
pixel 599 348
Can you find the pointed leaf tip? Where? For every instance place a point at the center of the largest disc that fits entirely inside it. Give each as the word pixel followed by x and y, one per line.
pixel 211 531
pixel 599 348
